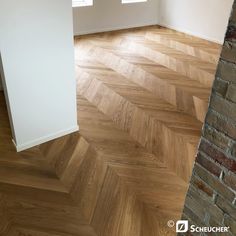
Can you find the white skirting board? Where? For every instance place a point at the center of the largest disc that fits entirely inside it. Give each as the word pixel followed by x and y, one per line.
pixel 192 33
pixel 24 146
pixel 101 30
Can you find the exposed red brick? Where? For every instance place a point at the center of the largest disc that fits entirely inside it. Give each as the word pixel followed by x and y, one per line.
pixel 229 51
pixel 218 156
pixel 226 71
pixel 229 221
pixel 202 186
pixel 230 180
pixel 231 95
pixel 214 183
pixel 220 86
pixel 221 124
pixel 226 206
pixel 216 137
pixel 224 107
pixel 233 149
pixel 209 165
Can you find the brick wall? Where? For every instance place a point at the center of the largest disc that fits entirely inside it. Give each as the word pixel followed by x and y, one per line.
pixel 211 198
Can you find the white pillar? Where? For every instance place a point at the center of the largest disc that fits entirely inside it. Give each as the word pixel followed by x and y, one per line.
pixel 36 45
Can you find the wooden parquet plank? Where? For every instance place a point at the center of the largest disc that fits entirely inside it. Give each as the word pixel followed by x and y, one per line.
pixel 178 61
pixel 153 224
pixel 124 212
pixel 190 45
pixel 142 116
pixel 186 94
pixel 5 218
pixel 22 230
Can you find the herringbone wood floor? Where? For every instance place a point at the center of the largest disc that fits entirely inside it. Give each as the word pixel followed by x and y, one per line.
pixel 142 95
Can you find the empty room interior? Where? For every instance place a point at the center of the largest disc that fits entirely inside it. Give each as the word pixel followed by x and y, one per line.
pixel 117 117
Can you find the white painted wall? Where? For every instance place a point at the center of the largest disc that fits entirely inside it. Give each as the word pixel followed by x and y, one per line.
pixel 107 15
pixel 203 18
pixel 36 44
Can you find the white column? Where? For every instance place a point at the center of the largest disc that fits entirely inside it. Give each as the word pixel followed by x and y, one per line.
pixel 36 45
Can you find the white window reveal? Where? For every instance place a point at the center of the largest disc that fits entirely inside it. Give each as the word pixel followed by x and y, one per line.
pixel 82 3
pixel 132 1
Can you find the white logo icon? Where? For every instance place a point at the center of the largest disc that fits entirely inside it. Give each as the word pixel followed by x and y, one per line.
pixel 181 226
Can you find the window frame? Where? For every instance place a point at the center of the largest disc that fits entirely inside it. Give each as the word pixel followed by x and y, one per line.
pixel 82 3
pixel 132 1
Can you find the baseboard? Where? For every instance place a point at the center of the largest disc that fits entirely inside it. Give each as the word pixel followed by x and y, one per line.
pixel 195 34
pixel 106 29
pixel 101 30
pixel 45 139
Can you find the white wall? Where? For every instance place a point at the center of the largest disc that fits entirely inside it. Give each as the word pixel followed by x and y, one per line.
pixel 107 15
pixel 204 18
pixel 36 44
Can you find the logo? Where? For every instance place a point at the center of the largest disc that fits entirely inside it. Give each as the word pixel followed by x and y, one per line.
pixel 181 226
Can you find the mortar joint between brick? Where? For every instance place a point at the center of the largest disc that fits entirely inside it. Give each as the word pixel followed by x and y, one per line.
pixel 234 201
pixel 206 218
pixel 214 197
pixel 222 174
pixel 223 219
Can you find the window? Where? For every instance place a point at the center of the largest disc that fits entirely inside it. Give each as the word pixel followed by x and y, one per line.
pixel 132 1
pixel 82 3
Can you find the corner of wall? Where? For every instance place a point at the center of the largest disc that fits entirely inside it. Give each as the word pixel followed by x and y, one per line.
pixel 194 18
